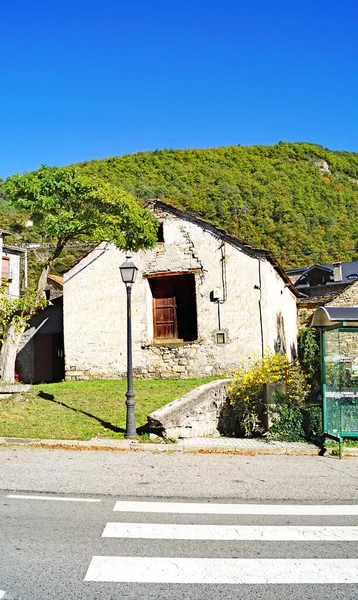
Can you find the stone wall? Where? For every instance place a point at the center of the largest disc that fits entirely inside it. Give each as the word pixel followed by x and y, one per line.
pixel 348 298
pixel 197 413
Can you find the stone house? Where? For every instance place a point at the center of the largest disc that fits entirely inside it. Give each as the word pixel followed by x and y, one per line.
pixel 10 265
pixel 203 301
pixel 333 284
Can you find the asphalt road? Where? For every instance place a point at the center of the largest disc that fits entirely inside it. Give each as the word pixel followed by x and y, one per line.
pixel 163 475
pixel 55 549
pixel 48 547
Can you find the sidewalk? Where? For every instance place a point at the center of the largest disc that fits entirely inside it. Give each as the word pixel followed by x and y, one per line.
pixel 196 445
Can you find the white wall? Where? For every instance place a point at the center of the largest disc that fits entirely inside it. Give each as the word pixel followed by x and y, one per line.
pixel 14 256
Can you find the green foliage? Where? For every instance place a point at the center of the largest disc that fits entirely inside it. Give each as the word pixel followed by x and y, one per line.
pixel 67 205
pixel 272 196
pixel 312 422
pixel 16 310
pixel 246 393
pixel 309 355
pixel 291 422
pixel 287 419
pixel 309 352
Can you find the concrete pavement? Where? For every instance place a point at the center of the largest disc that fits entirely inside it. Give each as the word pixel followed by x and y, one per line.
pixel 199 444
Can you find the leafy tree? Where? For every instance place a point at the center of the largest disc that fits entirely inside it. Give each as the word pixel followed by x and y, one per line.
pixel 67 205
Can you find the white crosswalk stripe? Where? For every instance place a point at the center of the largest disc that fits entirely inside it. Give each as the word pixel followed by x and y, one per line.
pixel 237 509
pixel 221 570
pixel 230 532
pixel 203 570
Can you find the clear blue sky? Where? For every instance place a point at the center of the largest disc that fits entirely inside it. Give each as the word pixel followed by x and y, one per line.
pixel 92 79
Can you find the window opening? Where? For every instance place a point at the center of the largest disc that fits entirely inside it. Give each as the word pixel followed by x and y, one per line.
pixel 174 307
pixel 160 233
pixel 5 271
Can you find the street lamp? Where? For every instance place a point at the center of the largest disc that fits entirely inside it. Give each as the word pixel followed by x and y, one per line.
pixel 128 272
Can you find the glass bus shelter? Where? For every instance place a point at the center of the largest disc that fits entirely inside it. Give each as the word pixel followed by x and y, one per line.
pixel 339 356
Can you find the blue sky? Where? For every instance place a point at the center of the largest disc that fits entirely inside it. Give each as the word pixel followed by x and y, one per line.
pixel 92 79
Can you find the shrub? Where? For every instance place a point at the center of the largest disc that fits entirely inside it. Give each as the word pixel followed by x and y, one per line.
pixel 312 422
pixel 310 359
pixel 246 390
pixel 287 419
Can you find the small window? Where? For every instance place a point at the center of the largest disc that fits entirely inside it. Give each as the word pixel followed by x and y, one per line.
pixel 160 234
pixel 174 307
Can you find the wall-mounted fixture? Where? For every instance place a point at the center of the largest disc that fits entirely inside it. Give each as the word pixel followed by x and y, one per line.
pixel 216 295
pixel 221 336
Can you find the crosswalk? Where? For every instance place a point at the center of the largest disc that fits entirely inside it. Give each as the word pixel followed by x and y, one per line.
pixel 149 521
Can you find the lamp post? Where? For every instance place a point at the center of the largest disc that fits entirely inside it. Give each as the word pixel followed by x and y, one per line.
pixel 128 272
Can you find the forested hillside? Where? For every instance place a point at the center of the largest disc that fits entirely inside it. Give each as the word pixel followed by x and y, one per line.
pixel 276 197
pixel 298 200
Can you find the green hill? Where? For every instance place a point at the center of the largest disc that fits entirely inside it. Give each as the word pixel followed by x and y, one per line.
pixel 279 197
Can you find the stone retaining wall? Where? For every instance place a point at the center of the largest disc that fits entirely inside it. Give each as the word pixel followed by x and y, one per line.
pixel 195 414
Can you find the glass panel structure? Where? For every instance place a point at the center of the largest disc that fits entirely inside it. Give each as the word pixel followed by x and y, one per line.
pixel 340 381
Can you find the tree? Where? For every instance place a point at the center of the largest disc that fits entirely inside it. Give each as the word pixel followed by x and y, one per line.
pixel 67 206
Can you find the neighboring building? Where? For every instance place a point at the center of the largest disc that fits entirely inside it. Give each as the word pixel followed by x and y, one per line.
pixel 10 265
pixel 306 306
pixel 41 353
pixel 333 284
pixel 324 280
pixel 203 301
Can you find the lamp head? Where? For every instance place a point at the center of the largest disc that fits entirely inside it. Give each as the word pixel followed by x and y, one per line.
pixel 128 271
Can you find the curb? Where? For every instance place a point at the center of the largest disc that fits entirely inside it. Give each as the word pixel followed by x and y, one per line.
pixel 109 445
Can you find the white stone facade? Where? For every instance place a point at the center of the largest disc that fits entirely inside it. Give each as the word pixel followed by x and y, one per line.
pixel 258 308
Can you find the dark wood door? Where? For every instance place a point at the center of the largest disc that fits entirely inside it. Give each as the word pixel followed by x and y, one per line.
pixel 58 357
pixel 165 316
pixel 48 357
pixel 42 357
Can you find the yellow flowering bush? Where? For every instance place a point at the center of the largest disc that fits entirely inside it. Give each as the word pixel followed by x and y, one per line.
pixel 246 389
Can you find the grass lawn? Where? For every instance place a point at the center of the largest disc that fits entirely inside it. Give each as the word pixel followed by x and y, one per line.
pixel 80 410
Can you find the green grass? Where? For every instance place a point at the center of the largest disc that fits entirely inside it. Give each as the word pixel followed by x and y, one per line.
pixel 80 410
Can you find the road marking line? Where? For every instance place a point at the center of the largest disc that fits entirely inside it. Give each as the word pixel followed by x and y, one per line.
pixel 236 509
pixel 219 570
pixel 56 498
pixel 2 594
pixel 230 532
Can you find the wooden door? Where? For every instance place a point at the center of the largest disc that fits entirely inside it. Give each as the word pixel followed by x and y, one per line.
pixel 42 357
pixel 165 316
pixel 58 357
pixel 49 362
